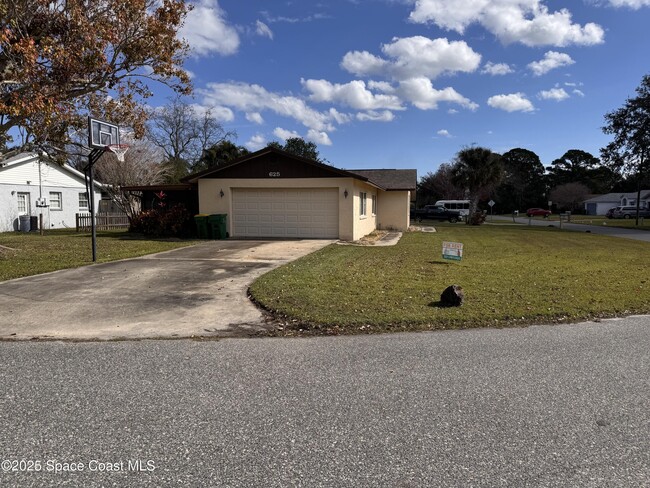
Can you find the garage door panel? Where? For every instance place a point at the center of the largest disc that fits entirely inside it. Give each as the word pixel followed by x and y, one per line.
pixel 304 213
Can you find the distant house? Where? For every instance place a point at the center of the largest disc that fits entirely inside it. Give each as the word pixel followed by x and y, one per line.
pixel 31 186
pixel 600 204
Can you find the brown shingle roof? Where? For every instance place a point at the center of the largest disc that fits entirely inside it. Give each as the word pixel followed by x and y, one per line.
pixel 390 179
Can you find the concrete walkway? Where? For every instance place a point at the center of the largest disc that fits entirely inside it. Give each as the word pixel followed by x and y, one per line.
pixel 193 291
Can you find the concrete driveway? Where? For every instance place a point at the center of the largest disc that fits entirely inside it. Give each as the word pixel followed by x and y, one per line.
pixel 194 291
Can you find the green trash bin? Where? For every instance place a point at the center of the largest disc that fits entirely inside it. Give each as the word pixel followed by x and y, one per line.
pixel 217 226
pixel 202 227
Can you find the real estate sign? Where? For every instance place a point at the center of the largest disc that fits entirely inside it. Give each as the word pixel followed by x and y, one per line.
pixel 452 250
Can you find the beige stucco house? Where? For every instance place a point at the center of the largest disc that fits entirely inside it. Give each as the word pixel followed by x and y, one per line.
pixel 272 193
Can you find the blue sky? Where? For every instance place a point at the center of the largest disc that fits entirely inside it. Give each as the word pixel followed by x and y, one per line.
pixel 407 83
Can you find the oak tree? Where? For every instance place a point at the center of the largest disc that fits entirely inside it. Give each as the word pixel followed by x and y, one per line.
pixel 63 60
pixel 629 152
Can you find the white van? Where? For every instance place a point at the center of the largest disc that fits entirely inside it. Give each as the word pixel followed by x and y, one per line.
pixel 461 205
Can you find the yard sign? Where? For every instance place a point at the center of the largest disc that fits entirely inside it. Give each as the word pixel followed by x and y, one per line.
pixel 452 250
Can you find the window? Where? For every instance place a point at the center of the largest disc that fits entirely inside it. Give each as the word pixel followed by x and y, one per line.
pixel 83 201
pixel 363 205
pixel 23 204
pixel 374 204
pixel 56 202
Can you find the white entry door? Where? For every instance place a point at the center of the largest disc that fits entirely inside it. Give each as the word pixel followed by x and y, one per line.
pixel 285 212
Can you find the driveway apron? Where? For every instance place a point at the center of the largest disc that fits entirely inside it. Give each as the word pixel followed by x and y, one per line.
pixel 194 291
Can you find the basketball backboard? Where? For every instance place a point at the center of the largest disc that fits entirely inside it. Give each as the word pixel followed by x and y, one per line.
pixel 102 133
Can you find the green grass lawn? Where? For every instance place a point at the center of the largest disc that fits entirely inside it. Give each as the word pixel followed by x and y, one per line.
pixel 26 254
pixel 511 275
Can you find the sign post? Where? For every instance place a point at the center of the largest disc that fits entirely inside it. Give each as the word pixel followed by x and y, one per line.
pixel 491 204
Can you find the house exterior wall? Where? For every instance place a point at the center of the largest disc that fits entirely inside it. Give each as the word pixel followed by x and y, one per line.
pixel 352 225
pixel 14 178
pixel 362 225
pixel 394 210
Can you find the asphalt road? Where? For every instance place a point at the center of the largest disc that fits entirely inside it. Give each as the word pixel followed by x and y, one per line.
pixel 623 233
pixel 544 406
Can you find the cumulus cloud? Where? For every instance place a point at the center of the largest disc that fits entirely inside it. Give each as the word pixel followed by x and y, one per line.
pixel 353 94
pixel 421 93
pixel 552 60
pixel 318 137
pixel 284 134
pixel 526 21
pixel 207 31
pixel 412 57
pixel 514 102
pixel 496 69
pixel 374 116
pixel 261 29
pixel 557 94
pixel 255 117
pixel 444 133
pixel 255 98
pixel 256 142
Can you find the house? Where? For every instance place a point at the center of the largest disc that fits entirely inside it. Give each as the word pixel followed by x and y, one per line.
pixel 600 204
pixel 30 185
pixel 272 193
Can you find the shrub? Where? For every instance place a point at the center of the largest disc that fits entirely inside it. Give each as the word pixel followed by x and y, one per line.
pixel 174 221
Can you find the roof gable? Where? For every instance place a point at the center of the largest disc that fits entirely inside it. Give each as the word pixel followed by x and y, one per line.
pixel 271 163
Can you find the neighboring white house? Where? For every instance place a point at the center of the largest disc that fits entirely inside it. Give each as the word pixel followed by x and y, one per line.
pixel 599 205
pixel 32 186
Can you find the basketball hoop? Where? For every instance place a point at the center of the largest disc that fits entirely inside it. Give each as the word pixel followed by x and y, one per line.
pixel 119 150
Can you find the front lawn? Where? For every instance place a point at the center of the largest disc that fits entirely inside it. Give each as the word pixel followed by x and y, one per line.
pixel 510 275
pixel 26 254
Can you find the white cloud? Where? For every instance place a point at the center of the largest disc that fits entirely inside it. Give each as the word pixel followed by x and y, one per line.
pixel 374 116
pixel 255 98
pixel 338 117
pixel 557 94
pixel 261 29
pixel 255 117
pixel 363 63
pixel 256 142
pixel 207 31
pixel 580 93
pixel 353 94
pixel 526 21
pixel 514 102
pixel 412 57
pixel 284 134
pixel 318 137
pixel 552 60
pixel 634 4
pixel 421 93
pixel 496 69
pixel 444 133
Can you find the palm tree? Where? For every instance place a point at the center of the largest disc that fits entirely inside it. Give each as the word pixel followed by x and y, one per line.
pixel 476 169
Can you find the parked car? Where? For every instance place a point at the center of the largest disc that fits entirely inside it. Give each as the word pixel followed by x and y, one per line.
pixel 629 213
pixel 535 212
pixel 610 213
pixel 438 212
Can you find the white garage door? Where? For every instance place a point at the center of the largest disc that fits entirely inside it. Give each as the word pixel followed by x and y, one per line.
pixel 303 213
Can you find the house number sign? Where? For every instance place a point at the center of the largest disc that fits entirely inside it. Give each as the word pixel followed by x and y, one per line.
pixel 274 174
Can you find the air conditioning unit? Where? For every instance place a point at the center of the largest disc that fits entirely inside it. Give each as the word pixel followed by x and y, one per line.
pixel 41 202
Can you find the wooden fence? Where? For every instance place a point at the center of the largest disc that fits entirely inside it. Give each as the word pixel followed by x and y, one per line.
pixel 103 221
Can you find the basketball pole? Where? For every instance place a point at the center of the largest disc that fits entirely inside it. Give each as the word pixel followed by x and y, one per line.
pixel 93 157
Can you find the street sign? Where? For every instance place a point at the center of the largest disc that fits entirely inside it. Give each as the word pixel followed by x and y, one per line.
pixel 452 250
pixel 491 203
